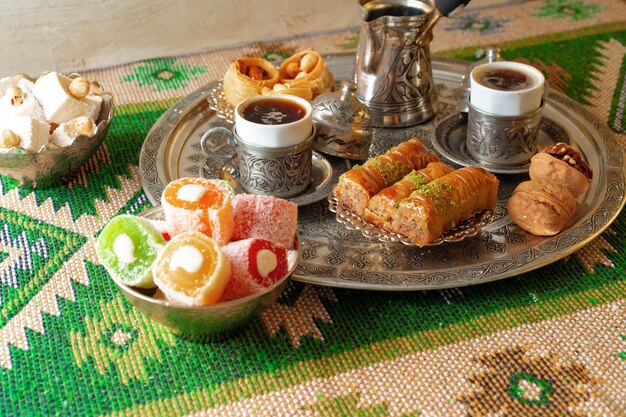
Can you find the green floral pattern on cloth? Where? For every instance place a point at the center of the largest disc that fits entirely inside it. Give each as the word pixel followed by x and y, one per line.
pixel 617 115
pixel 515 384
pixel 121 337
pixel 530 389
pixel 474 22
pixel 570 9
pixel 163 74
pixel 30 258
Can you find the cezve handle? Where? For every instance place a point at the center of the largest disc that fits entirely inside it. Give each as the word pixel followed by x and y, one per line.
pixel 448 7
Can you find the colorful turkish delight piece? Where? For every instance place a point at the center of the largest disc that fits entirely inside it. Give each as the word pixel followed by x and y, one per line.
pixel 127 248
pixel 265 217
pixel 191 270
pixel 198 204
pixel 256 264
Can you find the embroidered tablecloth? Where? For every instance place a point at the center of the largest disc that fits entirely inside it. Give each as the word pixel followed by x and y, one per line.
pixel 547 343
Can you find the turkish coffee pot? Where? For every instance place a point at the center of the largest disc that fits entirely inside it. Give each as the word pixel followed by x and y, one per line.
pixel 393 71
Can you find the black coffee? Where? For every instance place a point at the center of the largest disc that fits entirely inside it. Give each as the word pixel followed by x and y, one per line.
pixel 506 79
pixel 273 111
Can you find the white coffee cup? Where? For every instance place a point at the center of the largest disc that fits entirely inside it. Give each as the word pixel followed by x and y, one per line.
pixel 506 88
pixel 270 108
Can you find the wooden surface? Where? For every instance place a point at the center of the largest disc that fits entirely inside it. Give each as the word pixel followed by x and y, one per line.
pixel 41 35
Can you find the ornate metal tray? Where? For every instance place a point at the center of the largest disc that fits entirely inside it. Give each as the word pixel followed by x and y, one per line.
pixel 335 256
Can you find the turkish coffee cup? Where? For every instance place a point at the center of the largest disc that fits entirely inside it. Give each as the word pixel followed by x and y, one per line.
pixel 273 137
pixel 505 106
pixel 274 120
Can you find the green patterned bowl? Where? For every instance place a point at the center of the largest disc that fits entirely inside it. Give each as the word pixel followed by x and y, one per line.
pixel 205 323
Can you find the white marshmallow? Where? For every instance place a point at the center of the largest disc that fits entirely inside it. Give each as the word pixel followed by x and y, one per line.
pixel 26 85
pixel 33 133
pixel 93 103
pixel 58 104
pixel 8 82
pixel 29 106
pixel 65 133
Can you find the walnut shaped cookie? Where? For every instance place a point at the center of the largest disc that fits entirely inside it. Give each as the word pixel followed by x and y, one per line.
pixel 563 165
pixel 541 208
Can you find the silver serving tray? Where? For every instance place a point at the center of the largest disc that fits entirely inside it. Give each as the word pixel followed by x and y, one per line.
pixel 332 255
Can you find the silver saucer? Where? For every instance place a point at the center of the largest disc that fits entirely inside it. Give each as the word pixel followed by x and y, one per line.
pixel 322 181
pixel 451 132
pixel 324 175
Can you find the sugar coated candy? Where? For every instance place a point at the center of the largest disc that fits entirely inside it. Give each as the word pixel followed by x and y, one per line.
pixel 192 270
pixel 265 217
pixel 8 82
pixel 127 247
pixel 256 264
pixel 198 204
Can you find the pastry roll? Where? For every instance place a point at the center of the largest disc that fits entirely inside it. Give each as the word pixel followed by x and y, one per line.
pixel 247 77
pixel 380 208
pixel 302 91
pixel 355 187
pixel 444 202
pixel 304 74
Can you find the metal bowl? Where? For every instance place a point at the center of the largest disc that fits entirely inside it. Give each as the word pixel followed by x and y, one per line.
pixel 48 166
pixel 205 323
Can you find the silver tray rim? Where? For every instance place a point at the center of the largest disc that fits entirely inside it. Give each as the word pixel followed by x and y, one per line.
pixel 534 257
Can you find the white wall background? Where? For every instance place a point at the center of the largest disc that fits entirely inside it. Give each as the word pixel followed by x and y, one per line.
pixel 40 35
